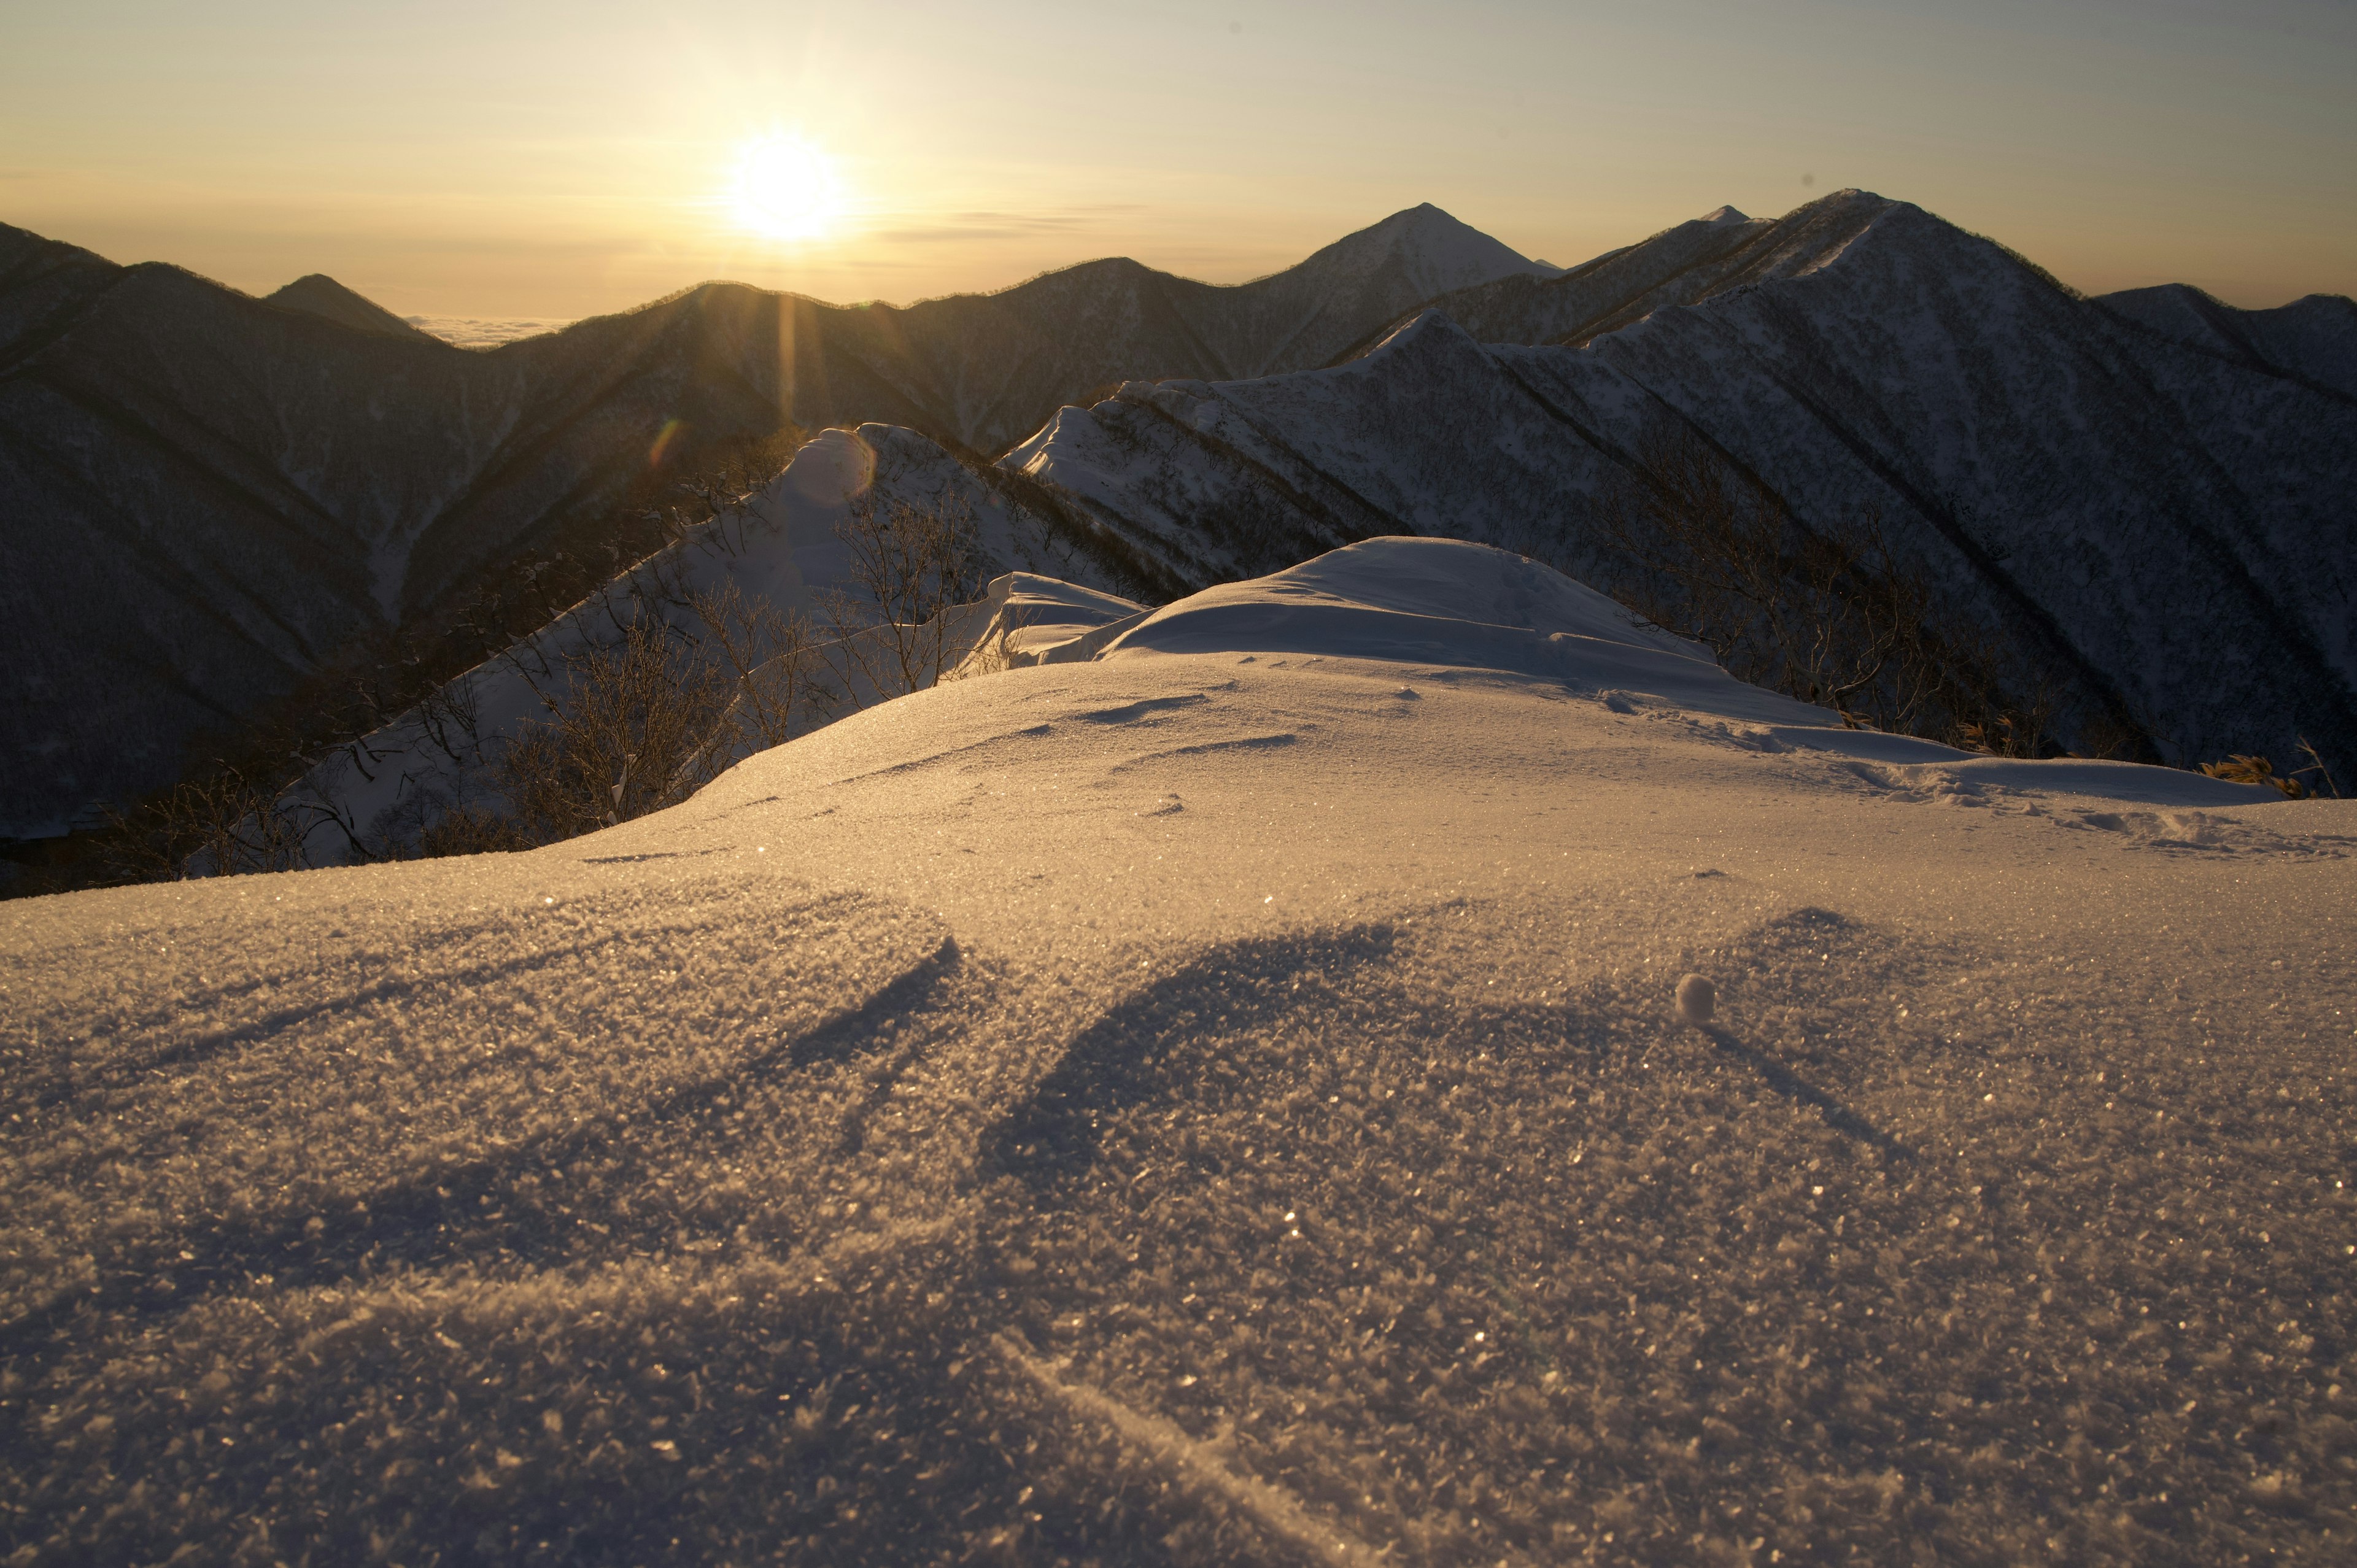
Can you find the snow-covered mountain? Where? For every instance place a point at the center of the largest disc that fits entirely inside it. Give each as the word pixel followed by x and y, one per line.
pixel 212 507
pixel 1222 1101
pixel 2314 339
pixel 214 502
pixel 984 371
pixel 372 797
pixel 2167 524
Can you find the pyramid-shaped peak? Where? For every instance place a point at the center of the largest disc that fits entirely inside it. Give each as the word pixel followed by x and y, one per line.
pixel 1726 215
pixel 317 294
pixel 1436 250
pixel 1425 212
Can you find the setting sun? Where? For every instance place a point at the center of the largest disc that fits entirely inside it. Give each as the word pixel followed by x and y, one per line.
pixel 786 190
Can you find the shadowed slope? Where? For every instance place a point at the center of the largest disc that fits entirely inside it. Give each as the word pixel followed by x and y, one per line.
pixel 209 503
pixel 2161 527
pixel 323 296
pixel 2313 339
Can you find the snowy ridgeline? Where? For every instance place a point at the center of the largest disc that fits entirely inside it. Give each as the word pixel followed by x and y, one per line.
pixel 783 551
pixel 2148 520
pixel 2145 494
pixel 2150 514
pixel 1220 1099
pixel 1447 604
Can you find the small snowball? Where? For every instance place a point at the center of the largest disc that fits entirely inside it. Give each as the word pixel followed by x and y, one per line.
pixel 1698 999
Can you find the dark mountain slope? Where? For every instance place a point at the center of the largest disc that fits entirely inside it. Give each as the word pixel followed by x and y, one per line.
pixel 209 503
pixel 2169 526
pixel 984 370
pixel 1686 264
pixel 323 296
pixel 2314 339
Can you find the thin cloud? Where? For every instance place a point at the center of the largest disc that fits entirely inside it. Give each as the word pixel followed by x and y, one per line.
pixel 960 227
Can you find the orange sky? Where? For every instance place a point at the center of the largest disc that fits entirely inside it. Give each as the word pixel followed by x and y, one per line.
pixel 561 160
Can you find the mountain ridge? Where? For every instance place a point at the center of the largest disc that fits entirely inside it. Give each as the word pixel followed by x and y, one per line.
pixel 322 295
pixel 370 485
pixel 1883 354
pixel 210 502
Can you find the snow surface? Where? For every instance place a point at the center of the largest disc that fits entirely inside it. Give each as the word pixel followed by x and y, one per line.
pixel 784 549
pixel 1218 1101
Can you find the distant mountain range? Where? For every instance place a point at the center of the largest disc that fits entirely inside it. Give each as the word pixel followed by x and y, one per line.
pixel 209 498
pixel 319 295
pixel 209 503
pixel 2152 490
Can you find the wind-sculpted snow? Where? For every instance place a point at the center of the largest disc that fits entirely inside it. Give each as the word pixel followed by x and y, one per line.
pixel 520 1027
pixel 1449 604
pixel 1207 1104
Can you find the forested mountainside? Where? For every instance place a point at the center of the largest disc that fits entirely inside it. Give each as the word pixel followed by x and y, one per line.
pixel 2312 339
pixel 209 503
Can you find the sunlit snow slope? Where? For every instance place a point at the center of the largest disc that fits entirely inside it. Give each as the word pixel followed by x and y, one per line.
pixel 1219 1102
pixel 370 797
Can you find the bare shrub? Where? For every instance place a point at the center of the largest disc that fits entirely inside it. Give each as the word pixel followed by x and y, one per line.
pixel 2315 765
pixel 912 563
pixel 641 719
pixel 225 822
pixel 683 683
pixel 624 732
pixel 471 828
pixel 774 659
pixel 1830 613
pixel 687 682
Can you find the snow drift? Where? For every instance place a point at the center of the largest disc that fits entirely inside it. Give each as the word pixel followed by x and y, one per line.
pixel 1218 1101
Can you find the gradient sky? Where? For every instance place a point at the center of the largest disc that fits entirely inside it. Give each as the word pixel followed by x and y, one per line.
pixel 565 158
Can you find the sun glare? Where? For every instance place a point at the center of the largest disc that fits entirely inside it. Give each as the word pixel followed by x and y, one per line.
pixel 787 190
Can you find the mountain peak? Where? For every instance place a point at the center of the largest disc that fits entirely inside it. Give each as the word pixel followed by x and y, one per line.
pixel 319 295
pixel 1724 215
pixel 1437 251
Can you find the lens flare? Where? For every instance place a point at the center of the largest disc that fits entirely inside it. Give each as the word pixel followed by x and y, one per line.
pixel 785 188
